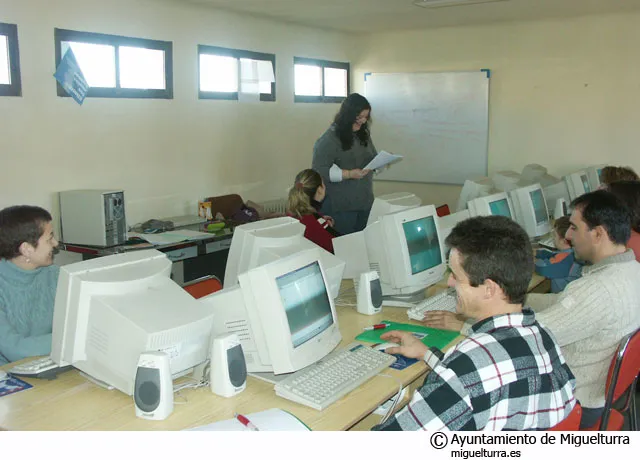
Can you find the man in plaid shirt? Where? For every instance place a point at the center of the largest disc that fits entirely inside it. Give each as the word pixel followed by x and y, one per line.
pixel 509 373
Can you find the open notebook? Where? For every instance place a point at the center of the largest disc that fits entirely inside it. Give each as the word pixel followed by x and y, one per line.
pixel 268 420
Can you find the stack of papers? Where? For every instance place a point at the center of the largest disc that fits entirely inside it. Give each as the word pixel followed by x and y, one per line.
pixel 174 236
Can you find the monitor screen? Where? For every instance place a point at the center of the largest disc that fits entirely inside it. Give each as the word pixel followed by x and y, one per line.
pixel 585 183
pixel 500 208
pixel 306 303
pixel 539 209
pixel 423 244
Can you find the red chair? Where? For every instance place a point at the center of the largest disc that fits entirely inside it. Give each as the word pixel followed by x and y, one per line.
pixel 622 381
pixel 203 286
pixel 572 422
pixel 443 210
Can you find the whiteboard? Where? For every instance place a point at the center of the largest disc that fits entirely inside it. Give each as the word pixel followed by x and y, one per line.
pixel 439 121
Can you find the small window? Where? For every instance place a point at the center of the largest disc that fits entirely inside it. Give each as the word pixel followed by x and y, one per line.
pixel 10 84
pixel 320 81
pixel 116 66
pixel 226 73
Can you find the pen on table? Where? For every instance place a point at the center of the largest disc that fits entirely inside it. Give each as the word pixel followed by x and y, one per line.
pixel 376 326
pixel 246 422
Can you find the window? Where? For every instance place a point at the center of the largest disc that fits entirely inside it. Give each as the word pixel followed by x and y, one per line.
pixel 225 73
pixel 9 61
pixel 117 66
pixel 320 81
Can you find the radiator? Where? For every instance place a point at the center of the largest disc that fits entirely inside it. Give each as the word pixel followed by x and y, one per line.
pixel 279 205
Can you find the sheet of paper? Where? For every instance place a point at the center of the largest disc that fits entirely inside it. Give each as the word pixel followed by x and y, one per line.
pixel 382 159
pixel 268 420
pixel 171 237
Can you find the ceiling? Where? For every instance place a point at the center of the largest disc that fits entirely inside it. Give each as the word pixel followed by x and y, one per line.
pixel 369 16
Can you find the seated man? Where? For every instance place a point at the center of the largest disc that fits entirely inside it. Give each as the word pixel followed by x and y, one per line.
pixel 509 372
pixel 593 313
pixel 28 282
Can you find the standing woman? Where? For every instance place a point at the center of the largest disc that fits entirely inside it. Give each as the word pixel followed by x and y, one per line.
pixel 305 198
pixel 347 145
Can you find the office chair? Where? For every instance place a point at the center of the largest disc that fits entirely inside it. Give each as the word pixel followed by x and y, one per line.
pixel 443 210
pixel 572 422
pixel 203 286
pixel 621 381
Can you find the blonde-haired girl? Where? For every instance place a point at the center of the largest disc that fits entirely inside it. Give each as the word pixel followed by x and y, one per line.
pixel 305 198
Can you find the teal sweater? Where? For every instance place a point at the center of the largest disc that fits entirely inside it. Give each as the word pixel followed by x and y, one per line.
pixel 26 310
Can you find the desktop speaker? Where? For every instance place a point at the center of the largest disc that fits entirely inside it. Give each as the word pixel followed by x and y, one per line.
pixel 228 375
pixel 153 387
pixel 560 208
pixel 369 297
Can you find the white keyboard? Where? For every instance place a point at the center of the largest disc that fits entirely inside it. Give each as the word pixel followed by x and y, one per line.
pixel 323 383
pixel 445 300
pixel 548 242
pixel 42 368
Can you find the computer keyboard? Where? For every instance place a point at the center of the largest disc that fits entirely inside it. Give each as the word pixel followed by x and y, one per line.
pixel 548 242
pixel 41 368
pixel 445 300
pixel 323 383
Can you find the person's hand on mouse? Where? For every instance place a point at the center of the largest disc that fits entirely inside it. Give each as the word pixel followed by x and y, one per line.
pixel 408 345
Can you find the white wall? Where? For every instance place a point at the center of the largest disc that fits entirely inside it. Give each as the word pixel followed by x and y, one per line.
pixel 165 154
pixel 564 93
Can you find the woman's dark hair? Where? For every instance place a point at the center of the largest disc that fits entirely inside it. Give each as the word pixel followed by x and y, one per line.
pixel 629 192
pixel 611 174
pixel 20 224
pixel 561 225
pixel 351 107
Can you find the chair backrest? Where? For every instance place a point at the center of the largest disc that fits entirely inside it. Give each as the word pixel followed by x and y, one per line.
pixel 572 422
pixel 203 286
pixel 623 373
pixel 443 210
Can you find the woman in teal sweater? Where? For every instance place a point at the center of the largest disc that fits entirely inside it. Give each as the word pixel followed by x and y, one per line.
pixel 28 282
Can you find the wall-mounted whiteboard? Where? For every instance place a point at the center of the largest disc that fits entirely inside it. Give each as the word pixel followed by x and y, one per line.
pixel 439 121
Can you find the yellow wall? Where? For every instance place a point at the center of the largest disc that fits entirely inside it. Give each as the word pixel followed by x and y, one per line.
pixel 165 154
pixel 564 93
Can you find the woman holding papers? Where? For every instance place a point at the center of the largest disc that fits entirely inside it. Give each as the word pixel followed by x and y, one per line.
pixel 340 156
pixel 304 201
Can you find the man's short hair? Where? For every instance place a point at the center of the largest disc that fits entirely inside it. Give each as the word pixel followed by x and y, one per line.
pixel 495 248
pixel 20 224
pixel 604 208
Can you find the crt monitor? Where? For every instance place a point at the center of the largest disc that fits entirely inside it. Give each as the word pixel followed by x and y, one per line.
pixel 556 195
pixel 257 243
pixel 473 189
pixel 577 184
pixel 505 181
pixel 282 313
pixel 492 205
pixel 531 210
pixel 407 251
pixel 594 173
pixel 110 309
pixel 393 202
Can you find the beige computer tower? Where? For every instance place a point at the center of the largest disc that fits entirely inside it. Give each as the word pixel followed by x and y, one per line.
pixel 93 217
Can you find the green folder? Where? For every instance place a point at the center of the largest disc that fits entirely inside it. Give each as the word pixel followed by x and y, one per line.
pixel 438 338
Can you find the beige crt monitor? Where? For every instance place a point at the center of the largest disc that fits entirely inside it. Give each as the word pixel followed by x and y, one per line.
pixel 392 202
pixel 111 309
pixel 281 312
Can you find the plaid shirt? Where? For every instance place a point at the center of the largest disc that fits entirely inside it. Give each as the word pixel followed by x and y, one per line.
pixel 509 374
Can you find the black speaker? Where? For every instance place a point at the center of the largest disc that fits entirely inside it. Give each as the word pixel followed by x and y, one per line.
pixel 153 387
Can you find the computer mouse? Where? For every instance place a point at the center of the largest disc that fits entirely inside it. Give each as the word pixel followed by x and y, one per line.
pixel 384 345
pixel 3 375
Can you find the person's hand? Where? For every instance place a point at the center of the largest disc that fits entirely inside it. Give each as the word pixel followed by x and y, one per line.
pixel 330 221
pixel 441 319
pixel 358 173
pixel 409 346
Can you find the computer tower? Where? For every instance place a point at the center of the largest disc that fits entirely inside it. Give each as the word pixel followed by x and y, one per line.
pixel 93 217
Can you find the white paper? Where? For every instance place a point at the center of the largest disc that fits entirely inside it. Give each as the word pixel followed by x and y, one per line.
pixel 335 173
pixel 382 159
pixel 171 237
pixel 268 420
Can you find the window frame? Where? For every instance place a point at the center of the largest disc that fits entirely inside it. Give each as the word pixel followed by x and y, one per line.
pixel 15 87
pixel 322 64
pixel 237 54
pixel 64 35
